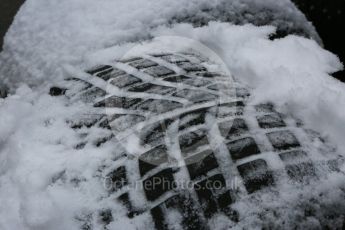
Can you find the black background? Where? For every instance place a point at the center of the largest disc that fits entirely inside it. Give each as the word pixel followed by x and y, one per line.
pixel 328 18
pixel 8 9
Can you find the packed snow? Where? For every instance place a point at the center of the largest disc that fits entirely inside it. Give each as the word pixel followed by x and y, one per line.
pixel 46 184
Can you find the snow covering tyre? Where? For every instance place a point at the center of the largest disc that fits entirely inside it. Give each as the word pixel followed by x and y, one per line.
pixel 202 144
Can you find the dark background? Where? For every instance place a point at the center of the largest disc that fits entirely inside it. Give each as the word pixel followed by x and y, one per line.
pixel 8 9
pixel 326 15
pixel 328 18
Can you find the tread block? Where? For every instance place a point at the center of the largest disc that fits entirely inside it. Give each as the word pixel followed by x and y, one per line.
pixel 195 58
pixel 233 104
pixel 215 183
pixel 208 204
pixel 110 73
pixel 159 218
pixel 201 163
pixel 142 63
pixel 185 206
pixel 105 75
pixel 155 132
pixel 265 108
pixel 177 79
pixel 197 82
pixel 131 59
pixel 190 142
pixel 295 156
pixel 87 122
pixel 158 71
pixel 251 169
pixel 229 109
pixel 4 92
pixel 207 74
pixel 106 216
pixel 234 128
pixel 152 105
pixel 99 69
pixel 104 124
pixel 172 58
pixel 191 67
pixel 80 145
pixel 161 54
pixel 282 140
pixel 193 118
pixel 210 191
pixel 256 175
pixel 158 106
pixel 298 165
pixel 269 121
pixel 122 81
pixel 243 148
pixel 103 140
pixel 57 91
pixel 158 184
pixel 152 158
pixel 301 172
pixel 82 85
pixel 125 121
pixel 118 178
pixel 152 88
pixel 91 94
pixel 118 102
pixel 225 87
pixel 196 96
pixel 224 200
pixel 131 211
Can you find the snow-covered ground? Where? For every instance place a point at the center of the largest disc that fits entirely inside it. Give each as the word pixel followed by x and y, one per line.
pixel 36 144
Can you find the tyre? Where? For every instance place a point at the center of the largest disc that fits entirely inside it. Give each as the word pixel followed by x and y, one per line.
pixel 192 143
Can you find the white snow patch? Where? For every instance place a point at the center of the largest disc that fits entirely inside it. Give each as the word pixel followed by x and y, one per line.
pixel 39 166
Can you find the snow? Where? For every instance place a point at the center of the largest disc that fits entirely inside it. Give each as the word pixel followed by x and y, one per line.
pixel 46 184
pixel 47 34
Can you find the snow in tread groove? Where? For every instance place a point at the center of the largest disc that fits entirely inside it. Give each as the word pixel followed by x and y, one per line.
pixel 36 145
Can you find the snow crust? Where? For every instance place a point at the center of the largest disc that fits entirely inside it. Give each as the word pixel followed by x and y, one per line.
pixel 46 184
pixel 48 33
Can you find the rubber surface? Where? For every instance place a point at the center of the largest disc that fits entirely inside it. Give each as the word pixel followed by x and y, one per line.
pixel 196 128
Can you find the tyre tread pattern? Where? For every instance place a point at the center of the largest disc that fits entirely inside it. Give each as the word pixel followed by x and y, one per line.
pixel 183 103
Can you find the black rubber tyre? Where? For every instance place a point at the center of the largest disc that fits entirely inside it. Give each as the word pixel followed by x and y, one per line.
pixel 192 128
